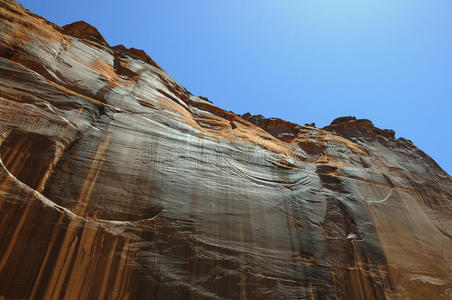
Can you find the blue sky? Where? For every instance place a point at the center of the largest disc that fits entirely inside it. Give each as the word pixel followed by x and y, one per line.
pixel 300 60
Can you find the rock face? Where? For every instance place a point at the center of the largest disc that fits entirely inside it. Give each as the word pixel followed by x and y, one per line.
pixel 117 183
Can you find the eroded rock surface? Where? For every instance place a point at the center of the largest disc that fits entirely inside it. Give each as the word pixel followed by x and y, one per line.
pixel 117 183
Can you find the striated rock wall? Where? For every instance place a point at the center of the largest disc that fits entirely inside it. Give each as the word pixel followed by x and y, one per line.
pixel 117 183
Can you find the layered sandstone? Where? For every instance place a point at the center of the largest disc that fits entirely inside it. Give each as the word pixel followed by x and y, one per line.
pixel 117 183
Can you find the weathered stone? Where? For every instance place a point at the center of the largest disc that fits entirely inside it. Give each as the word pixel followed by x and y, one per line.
pixel 117 183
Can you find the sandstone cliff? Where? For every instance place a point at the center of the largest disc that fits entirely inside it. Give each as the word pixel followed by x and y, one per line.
pixel 117 183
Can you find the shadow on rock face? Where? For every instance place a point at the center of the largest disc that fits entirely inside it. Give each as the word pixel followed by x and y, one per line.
pixel 32 158
pixel 27 156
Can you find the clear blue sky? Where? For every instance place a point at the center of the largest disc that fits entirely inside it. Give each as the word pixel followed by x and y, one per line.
pixel 301 60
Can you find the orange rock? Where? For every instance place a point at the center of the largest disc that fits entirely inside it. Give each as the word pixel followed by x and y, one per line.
pixel 118 183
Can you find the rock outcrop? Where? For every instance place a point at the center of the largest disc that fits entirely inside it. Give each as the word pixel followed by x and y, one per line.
pixel 117 183
pixel 84 31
